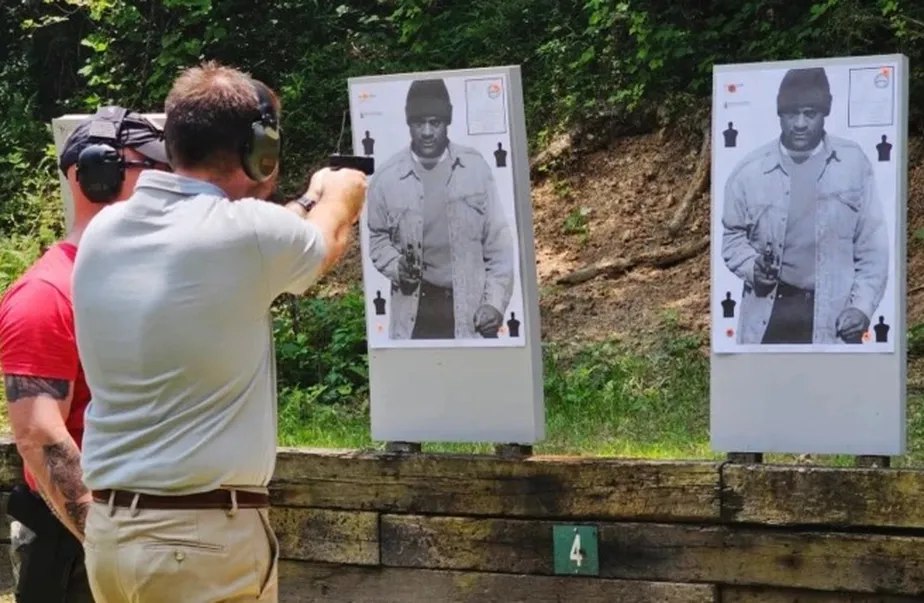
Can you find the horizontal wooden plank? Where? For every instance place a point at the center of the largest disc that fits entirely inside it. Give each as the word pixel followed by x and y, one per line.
pixel 742 594
pixel 662 552
pixel 301 582
pixel 325 535
pixel 485 485
pixel 784 495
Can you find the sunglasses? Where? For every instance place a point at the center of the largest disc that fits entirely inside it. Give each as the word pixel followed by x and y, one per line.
pixel 143 163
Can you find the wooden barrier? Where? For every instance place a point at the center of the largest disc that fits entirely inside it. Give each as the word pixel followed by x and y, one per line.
pixel 383 527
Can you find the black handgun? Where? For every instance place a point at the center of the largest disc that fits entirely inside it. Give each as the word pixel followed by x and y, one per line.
pixel 365 165
pixel 415 270
pixel 770 261
pixel 413 261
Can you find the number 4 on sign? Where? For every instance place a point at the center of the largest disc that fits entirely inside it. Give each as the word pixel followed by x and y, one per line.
pixel 577 555
pixel 574 549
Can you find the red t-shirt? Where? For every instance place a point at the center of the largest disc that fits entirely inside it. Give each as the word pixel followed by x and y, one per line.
pixel 37 331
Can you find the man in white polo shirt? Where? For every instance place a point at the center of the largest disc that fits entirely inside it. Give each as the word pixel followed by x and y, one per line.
pixel 172 291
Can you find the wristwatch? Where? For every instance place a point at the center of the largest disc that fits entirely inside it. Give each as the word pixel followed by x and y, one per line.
pixel 306 202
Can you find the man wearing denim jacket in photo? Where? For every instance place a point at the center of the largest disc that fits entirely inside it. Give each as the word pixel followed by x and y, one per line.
pixel 804 229
pixel 437 230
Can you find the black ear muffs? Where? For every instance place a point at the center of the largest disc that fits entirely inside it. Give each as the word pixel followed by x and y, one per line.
pixel 100 169
pixel 261 149
pixel 100 172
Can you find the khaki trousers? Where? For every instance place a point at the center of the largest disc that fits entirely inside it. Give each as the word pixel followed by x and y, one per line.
pixel 189 556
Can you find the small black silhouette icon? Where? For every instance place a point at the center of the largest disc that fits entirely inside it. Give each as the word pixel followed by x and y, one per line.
pixel 731 135
pixel 885 149
pixel 513 325
pixel 379 302
pixel 500 156
pixel 882 330
pixel 368 144
pixel 728 306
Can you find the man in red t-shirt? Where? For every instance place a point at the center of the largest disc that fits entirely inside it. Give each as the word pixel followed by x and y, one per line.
pixel 43 378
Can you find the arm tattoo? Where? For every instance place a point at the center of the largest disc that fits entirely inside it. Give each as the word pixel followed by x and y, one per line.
pixel 22 386
pixel 63 463
pixel 77 511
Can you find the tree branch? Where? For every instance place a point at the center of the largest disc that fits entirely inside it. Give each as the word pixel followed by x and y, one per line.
pixel 696 188
pixel 664 258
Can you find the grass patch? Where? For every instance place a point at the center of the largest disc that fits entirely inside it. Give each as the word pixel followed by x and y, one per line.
pixel 304 421
pixel 614 399
pixel 602 399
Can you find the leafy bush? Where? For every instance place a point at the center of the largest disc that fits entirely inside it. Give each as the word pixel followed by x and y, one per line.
pixel 607 62
pixel 31 213
pixel 916 340
pixel 29 198
pixel 321 347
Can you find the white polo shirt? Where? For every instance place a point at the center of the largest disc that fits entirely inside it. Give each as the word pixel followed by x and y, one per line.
pixel 172 290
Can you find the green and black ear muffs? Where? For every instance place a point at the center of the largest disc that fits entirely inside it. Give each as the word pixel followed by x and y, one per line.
pixel 262 147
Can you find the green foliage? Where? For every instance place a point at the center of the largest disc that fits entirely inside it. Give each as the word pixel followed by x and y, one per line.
pixel 303 420
pixel 608 63
pixel 16 254
pixel 605 64
pixel 34 210
pixel 621 396
pixel 601 398
pixel 321 369
pixel 576 221
pixel 916 340
pixel 30 203
pixel 321 347
pixel 915 411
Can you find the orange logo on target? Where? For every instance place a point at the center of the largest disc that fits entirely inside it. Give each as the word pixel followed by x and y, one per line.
pixel 882 78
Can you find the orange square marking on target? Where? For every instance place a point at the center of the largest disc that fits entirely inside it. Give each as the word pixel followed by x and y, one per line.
pixel 867 336
pixel 729 332
pixel 378 328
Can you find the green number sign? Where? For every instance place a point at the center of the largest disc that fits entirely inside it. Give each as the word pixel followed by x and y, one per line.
pixel 574 549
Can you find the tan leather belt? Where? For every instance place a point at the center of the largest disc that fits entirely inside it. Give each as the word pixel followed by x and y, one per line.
pixel 215 499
